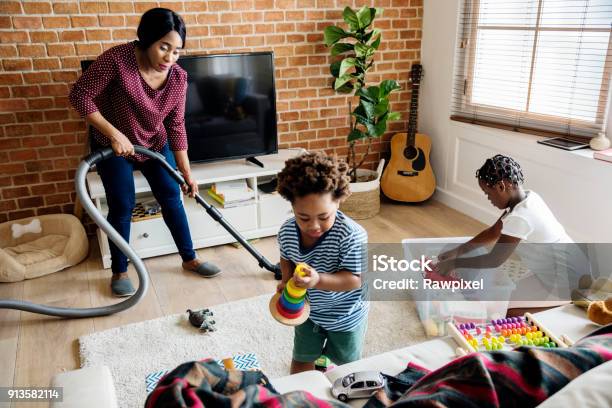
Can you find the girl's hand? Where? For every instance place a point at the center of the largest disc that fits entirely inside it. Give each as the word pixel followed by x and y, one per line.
pixel 280 287
pixel 448 255
pixel 310 279
pixel 445 268
pixel 121 145
pixel 190 187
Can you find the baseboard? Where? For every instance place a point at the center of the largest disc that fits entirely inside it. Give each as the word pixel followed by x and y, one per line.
pixel 467 207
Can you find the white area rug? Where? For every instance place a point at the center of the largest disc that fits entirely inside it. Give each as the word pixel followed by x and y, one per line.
pixel 246 326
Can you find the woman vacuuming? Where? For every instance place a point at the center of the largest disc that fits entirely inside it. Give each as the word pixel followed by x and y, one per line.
pixel 135 93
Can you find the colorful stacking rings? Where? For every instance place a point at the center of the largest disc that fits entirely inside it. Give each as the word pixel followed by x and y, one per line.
pixel 286 314
pixel 290 307
pixel 293 290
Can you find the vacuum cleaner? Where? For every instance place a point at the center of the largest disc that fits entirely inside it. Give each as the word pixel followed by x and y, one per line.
pixel 143 277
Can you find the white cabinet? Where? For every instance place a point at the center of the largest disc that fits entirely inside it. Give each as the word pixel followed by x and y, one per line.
pixel 271 208
pixel 151 237
pixel 203 226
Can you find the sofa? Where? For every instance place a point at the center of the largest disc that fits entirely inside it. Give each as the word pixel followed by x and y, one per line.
pixel 80 385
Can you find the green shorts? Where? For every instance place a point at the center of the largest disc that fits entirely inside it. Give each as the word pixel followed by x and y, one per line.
pixel 311 341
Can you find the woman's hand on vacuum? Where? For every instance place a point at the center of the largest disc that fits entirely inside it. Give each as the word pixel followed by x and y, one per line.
pixel 121 145
pixel 190 187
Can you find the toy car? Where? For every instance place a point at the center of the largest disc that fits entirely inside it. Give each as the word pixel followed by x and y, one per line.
pixel 361 384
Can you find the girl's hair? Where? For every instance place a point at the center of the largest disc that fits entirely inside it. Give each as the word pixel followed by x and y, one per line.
pixel 499 168
pixel 315 173
pixel 156 23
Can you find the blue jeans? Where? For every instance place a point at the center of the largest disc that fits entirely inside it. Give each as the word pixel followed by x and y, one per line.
pixel 118 180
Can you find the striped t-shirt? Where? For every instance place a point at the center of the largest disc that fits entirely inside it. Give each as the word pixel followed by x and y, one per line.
pixel 340 248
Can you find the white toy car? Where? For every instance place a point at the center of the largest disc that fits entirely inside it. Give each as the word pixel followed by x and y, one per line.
pixel 362 384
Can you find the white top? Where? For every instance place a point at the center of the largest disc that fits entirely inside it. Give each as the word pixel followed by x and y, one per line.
pixel 556 266
pixel 532 221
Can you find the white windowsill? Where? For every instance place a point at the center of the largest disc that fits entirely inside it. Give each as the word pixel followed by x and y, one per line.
pixel 527 140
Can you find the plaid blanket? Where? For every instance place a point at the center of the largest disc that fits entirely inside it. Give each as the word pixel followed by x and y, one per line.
pixel 205 383
pixel 522 378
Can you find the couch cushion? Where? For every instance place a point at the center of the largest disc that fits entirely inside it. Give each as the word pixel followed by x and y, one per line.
pixel 430 354
pixel 312 381
pixel 589 390
pixel 90 387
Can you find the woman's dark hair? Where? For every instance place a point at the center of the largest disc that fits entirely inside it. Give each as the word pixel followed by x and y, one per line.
pixel 156 23
pixel 315 173
pixel 499 168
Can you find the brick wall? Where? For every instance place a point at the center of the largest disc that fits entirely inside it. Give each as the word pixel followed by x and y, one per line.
pixel 42 43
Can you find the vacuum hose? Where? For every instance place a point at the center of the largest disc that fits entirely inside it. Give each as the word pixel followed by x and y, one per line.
pixel 143 277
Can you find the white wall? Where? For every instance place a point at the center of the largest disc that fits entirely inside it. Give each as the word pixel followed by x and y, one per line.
pixel 577 187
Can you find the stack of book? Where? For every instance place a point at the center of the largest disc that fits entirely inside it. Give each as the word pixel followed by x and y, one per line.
pixel 605 155
pixel 234 193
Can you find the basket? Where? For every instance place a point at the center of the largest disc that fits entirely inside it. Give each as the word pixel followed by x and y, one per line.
pixel 362 205
pixel 364 201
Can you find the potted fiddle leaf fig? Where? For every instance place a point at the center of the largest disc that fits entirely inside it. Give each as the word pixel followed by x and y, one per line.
pixel 354 48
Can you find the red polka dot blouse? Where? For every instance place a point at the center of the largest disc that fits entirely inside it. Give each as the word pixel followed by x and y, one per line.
pixel 146 116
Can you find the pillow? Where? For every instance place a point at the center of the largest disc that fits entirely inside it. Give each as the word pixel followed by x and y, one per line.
pixel 591 389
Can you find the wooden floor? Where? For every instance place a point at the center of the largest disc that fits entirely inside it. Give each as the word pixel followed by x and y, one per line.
pixel 33 348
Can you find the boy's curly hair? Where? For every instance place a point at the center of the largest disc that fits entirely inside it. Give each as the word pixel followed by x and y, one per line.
pixel 315 173
pixel 499 168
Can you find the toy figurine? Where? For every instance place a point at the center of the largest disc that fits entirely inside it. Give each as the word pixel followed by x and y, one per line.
pixel 202 319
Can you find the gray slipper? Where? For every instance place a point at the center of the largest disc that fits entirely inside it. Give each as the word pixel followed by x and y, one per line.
pixel 122 288
pixel 205 270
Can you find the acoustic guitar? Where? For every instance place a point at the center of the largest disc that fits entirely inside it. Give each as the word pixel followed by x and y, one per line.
pixel 409 176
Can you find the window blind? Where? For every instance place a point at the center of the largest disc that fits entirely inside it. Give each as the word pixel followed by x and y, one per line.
pixel 536 66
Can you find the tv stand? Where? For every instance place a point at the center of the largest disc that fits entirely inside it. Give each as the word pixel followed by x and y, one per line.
pixel 149 235
pixel 256 162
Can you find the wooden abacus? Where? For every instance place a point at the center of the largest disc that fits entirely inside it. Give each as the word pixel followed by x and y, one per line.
pixel 468 343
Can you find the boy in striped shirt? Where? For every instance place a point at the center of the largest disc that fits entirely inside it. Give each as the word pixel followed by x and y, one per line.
pixel 333 246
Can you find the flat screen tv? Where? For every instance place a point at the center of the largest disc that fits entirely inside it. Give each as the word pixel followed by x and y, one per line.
pixel 230 110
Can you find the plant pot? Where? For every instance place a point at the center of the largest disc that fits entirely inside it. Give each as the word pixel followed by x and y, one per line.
pixel 364 201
